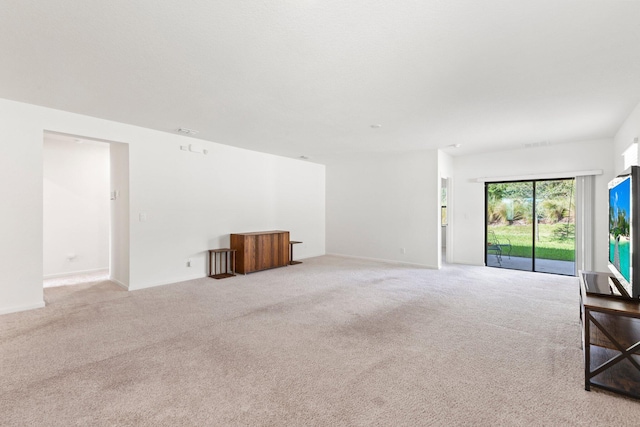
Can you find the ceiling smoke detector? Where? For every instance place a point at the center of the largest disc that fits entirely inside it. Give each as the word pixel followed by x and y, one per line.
pixel 186 131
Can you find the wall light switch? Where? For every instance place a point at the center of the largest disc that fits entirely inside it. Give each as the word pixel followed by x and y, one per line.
pixel 143 217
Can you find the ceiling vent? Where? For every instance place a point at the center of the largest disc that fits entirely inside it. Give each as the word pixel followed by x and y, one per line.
pixel 186 131
pixel 537 144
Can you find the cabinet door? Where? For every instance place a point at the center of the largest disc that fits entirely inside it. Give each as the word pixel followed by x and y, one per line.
pixel 245 247
pixel 265 251
pixel 282 248
pixel 251 251
pixel 237 242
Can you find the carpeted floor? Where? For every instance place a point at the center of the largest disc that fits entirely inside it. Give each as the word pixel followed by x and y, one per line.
pixel 331 342
pixel 73 279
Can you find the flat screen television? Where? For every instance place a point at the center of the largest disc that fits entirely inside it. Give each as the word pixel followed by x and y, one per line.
pixel 624 231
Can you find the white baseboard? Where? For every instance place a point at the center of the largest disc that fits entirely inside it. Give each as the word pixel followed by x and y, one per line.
pixel 73 273
pixel 119 283
pixel 308 256
pixel 21 308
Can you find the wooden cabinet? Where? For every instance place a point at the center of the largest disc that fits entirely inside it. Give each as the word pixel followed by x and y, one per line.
pixel 260 250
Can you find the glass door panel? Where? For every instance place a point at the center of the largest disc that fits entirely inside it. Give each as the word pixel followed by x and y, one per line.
pixel 555 227
pixel 510 225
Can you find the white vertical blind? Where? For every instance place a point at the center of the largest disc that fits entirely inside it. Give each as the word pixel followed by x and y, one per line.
pixel 584 222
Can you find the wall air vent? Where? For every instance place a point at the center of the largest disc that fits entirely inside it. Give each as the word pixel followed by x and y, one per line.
pixel 194 149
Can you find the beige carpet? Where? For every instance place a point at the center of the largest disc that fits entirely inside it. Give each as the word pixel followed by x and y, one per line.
pixel 73 279
pixel 331 342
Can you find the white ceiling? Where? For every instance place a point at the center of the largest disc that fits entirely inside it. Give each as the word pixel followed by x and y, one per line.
pixel 310 77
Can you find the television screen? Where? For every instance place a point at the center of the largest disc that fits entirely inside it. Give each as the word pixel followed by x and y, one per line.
pixel 624 231
pixel 620 244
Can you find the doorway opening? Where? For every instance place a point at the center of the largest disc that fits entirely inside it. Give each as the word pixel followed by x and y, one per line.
pixel 530 225
pixel 82 225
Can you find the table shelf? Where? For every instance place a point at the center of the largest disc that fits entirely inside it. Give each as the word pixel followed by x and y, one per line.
pixel 222 263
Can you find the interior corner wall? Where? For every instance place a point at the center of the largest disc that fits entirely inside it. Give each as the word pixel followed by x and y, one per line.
pixel 445 171
pixel 381 203
pixel 625 136
pixel 76 206
pixel 445 165
pixel 191 202
pixel 468 216
pixel 119 210
pixel 305 218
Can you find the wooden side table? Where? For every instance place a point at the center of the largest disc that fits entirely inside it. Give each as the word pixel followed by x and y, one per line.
pixel 610 336
pixel 222 263
pixel 291 261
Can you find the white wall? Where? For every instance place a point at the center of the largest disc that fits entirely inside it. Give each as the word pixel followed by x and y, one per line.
pixel 468 215
pixel 378 203
pixel 76 206
pixel 192 201
pixel 20 210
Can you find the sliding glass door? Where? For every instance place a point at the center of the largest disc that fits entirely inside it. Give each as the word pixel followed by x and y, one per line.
pixel 530 225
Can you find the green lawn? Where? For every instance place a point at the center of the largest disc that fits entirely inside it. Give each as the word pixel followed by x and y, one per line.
pixel 548 244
